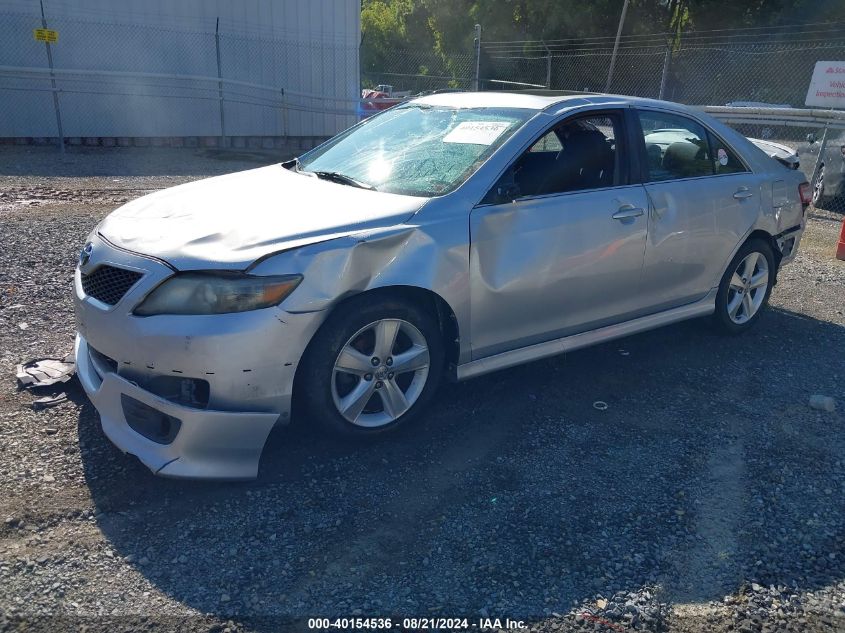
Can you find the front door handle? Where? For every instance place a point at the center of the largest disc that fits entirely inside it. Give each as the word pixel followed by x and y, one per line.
pixel 627 211
pixel 742 193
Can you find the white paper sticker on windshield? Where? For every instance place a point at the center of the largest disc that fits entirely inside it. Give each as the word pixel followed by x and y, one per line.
pixel 476 132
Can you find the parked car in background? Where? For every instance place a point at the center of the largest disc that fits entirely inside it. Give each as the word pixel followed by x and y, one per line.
pixel 447 237
pixel 763 131
pixel 381 98
pixel 781 153
pixel 830 179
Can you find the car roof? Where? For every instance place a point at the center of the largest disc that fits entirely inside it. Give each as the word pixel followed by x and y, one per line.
pixel 543 100
pixel 555 103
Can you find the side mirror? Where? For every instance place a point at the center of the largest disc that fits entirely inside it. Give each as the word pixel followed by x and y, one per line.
pixel 811 138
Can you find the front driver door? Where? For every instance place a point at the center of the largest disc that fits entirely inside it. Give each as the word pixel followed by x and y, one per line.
pixel 557 246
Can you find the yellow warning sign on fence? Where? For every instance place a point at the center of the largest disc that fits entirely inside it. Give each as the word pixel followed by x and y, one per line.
pixel 46 35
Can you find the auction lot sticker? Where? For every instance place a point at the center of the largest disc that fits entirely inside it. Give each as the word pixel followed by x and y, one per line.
pixel 476 132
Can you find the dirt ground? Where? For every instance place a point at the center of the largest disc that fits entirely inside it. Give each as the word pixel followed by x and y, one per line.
pixel 708 496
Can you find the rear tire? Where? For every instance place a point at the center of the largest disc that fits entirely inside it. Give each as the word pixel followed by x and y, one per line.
pixel 745 287
pixel 373 366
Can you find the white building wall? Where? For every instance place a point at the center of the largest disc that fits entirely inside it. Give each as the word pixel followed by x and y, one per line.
pixel 290 47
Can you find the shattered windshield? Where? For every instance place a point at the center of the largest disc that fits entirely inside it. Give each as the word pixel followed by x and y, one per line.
pixel 416 150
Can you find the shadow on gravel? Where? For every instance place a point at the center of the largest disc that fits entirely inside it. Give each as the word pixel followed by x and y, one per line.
pixel 515 497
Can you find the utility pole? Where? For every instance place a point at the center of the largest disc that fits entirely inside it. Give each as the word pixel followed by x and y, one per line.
pixel 616 46
pixel 476 83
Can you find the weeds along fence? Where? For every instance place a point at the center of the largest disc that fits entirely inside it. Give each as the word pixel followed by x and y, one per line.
pixel 763 65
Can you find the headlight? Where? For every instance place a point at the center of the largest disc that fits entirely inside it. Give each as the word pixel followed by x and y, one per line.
pixel 217 293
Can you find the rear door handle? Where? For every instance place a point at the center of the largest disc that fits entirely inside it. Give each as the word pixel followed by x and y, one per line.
pixel 742 193
pixel 627 211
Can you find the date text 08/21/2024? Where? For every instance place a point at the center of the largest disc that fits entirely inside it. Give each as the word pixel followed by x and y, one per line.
pixel 429 623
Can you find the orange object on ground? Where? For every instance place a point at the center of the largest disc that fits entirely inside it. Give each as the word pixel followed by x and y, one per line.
pixel 840 249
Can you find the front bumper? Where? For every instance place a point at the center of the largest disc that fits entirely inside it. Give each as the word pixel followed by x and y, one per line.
pixel 244 362
pixel 209 444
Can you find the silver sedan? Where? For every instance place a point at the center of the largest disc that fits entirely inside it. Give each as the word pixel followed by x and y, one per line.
pixel 447 237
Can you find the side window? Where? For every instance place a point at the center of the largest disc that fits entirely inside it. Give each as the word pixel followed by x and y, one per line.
pixel 725 160
pixel 676 147
pixel 547 143
pixel 576 155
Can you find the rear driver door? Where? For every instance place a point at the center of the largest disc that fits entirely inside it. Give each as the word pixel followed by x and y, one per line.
pixel 703 200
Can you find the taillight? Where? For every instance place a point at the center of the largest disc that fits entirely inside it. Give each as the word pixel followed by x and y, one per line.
pixel 805 192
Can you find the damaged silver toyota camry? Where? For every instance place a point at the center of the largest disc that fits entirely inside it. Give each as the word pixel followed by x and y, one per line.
pixel 450 236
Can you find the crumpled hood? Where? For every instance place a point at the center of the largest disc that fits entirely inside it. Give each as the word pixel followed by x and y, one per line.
pixel 230 221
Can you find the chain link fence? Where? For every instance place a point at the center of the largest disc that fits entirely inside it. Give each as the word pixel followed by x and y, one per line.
pixel 418 71
pixel 745 67
pixel 723 70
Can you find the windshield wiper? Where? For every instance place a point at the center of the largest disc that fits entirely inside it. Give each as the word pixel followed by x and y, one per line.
pixel 343 179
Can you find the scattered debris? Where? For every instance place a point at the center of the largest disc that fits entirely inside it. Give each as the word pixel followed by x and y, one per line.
pixel 23 325
pixel 600 405
pixel 48 401
pixel 822 403
pixel 46 372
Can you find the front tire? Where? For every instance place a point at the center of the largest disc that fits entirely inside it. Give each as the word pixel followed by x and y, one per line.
pixel 745 287
pixel 372 366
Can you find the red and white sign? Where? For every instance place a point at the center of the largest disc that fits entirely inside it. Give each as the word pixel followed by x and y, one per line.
pixel 827 87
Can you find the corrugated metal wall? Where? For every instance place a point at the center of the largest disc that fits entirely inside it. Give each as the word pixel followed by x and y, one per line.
pixel 292 48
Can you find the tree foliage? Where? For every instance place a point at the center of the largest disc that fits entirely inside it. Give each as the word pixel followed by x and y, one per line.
pixel 447 25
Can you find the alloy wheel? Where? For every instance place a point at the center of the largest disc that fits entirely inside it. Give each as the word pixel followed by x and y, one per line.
pixel 380 373
pixel 748 286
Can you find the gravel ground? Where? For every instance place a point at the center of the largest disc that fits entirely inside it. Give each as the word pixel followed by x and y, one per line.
pixel 708 496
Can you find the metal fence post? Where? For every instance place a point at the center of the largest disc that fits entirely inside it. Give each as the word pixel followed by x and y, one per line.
pixel 53 85
pixel 285 130
pixel 220 84
pixel 476 82
pixel 820 157
pixel 616 46
pixel 548 67
pixel 665 74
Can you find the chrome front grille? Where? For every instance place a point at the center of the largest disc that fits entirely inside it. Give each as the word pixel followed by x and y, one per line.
pixel 109 283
